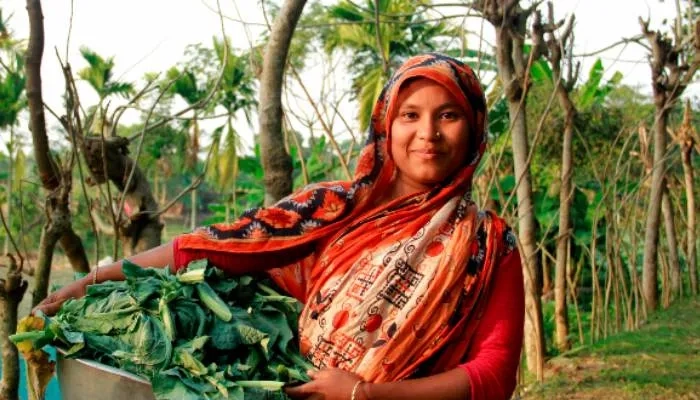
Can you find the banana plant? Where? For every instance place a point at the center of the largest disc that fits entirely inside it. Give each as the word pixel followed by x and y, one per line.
pixel 236 93
pixel 192 86
pixel 374 54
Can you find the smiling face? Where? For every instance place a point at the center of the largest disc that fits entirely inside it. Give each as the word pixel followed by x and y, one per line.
pixel 422 157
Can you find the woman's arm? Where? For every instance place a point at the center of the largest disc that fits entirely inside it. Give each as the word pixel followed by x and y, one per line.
pixel 336 384
pixel 450 385
pixel 159 257
pixel 494 354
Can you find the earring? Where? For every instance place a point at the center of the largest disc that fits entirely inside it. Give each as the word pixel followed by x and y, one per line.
pixel 438 134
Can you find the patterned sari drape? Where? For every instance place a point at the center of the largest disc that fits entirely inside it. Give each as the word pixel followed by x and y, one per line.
pixel 393 290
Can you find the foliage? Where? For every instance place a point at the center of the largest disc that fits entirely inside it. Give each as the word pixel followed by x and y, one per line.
pixel 99 74
pixel 368 50
pixel 12 100
pixel 237 93
pixel 592 91
pixel 192 334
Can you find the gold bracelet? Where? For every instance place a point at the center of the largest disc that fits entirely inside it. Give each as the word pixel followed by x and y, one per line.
pixel 94 276
pixel 353 396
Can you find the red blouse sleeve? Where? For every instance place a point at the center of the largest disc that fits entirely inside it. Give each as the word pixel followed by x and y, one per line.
pixel 495 351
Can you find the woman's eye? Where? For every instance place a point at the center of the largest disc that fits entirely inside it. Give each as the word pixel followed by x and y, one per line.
pixel 409 115
pixel 449 115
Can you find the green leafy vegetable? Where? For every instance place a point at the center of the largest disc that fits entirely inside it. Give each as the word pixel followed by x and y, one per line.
pixel 193 335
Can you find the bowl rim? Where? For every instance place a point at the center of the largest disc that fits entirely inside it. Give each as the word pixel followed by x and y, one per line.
pixel 106 368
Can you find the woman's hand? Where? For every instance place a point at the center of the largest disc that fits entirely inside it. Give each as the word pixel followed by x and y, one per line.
pixel 52 303
pixel 327 384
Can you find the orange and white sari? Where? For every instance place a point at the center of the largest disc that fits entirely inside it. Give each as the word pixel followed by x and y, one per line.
pixel 393 291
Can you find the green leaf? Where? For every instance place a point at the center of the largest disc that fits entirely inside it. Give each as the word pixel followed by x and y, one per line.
pixel 541 72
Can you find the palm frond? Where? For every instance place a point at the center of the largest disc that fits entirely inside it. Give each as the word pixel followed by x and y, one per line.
pixel 123 89
pixel 214 173
pixel 98 74
pixel 228 162
pixel 371 86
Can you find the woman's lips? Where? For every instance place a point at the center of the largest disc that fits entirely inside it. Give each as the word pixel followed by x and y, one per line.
pixel 427 154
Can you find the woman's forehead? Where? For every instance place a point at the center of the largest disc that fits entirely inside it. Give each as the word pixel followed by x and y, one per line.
pixel 436 92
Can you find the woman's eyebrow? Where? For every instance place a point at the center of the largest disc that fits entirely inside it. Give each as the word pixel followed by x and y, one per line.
pixel 411 106
pixel 449 104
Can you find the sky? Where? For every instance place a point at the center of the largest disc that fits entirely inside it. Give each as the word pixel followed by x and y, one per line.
pixel 151 35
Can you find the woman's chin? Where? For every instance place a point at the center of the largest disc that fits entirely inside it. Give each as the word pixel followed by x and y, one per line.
pixel 429 181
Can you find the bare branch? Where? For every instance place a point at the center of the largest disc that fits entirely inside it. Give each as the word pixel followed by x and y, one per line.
pixel 206 99
pixel 70 28
pixel 104 227
pixel 624 41
pixel 122 199
pixel 339 23
pixel 196 181
pixel 323 123
pixel 12 240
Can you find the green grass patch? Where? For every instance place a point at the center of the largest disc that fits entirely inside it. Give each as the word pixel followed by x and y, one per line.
pixel 661 360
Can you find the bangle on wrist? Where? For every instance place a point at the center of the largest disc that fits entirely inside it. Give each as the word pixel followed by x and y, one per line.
pixel 353 395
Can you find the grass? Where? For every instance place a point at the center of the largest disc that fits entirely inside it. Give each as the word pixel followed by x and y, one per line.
pixel 661 360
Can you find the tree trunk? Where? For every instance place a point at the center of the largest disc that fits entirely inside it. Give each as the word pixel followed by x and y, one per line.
pixel 37 122
pixel 651 237
pixel 193 209
pixel 534 336
pixel 692 218
pixel 156 184
pixel 673 263
pixel 72 246
pixel 565 197
pixel 142 230
pixel 277 163
pixel 56 182
pixel 546 275
pixel 47 245
pixel 671 72
pixel 510 22
pixel 10 172
pixel 12 291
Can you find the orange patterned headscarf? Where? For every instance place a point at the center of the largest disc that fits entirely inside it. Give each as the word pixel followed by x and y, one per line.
pixel 391 291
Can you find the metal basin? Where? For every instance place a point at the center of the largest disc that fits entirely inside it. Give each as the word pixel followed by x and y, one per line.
pixel 84 379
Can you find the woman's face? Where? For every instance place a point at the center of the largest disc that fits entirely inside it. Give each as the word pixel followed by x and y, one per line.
pixel 423 157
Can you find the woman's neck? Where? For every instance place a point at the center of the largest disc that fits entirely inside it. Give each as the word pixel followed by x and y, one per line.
pixel 402 188
pixel 397 189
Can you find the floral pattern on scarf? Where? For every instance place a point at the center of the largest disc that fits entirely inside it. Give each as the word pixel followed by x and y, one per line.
pixel 391 291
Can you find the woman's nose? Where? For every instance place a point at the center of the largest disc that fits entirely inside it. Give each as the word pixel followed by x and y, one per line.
pixel 426 129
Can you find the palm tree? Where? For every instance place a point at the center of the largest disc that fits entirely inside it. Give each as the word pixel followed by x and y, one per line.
pixel 236 93
pixel 99 75
pixel 193 91
pixel 374 54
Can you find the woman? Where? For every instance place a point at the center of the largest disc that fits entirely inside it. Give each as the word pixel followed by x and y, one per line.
pixel 410 292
